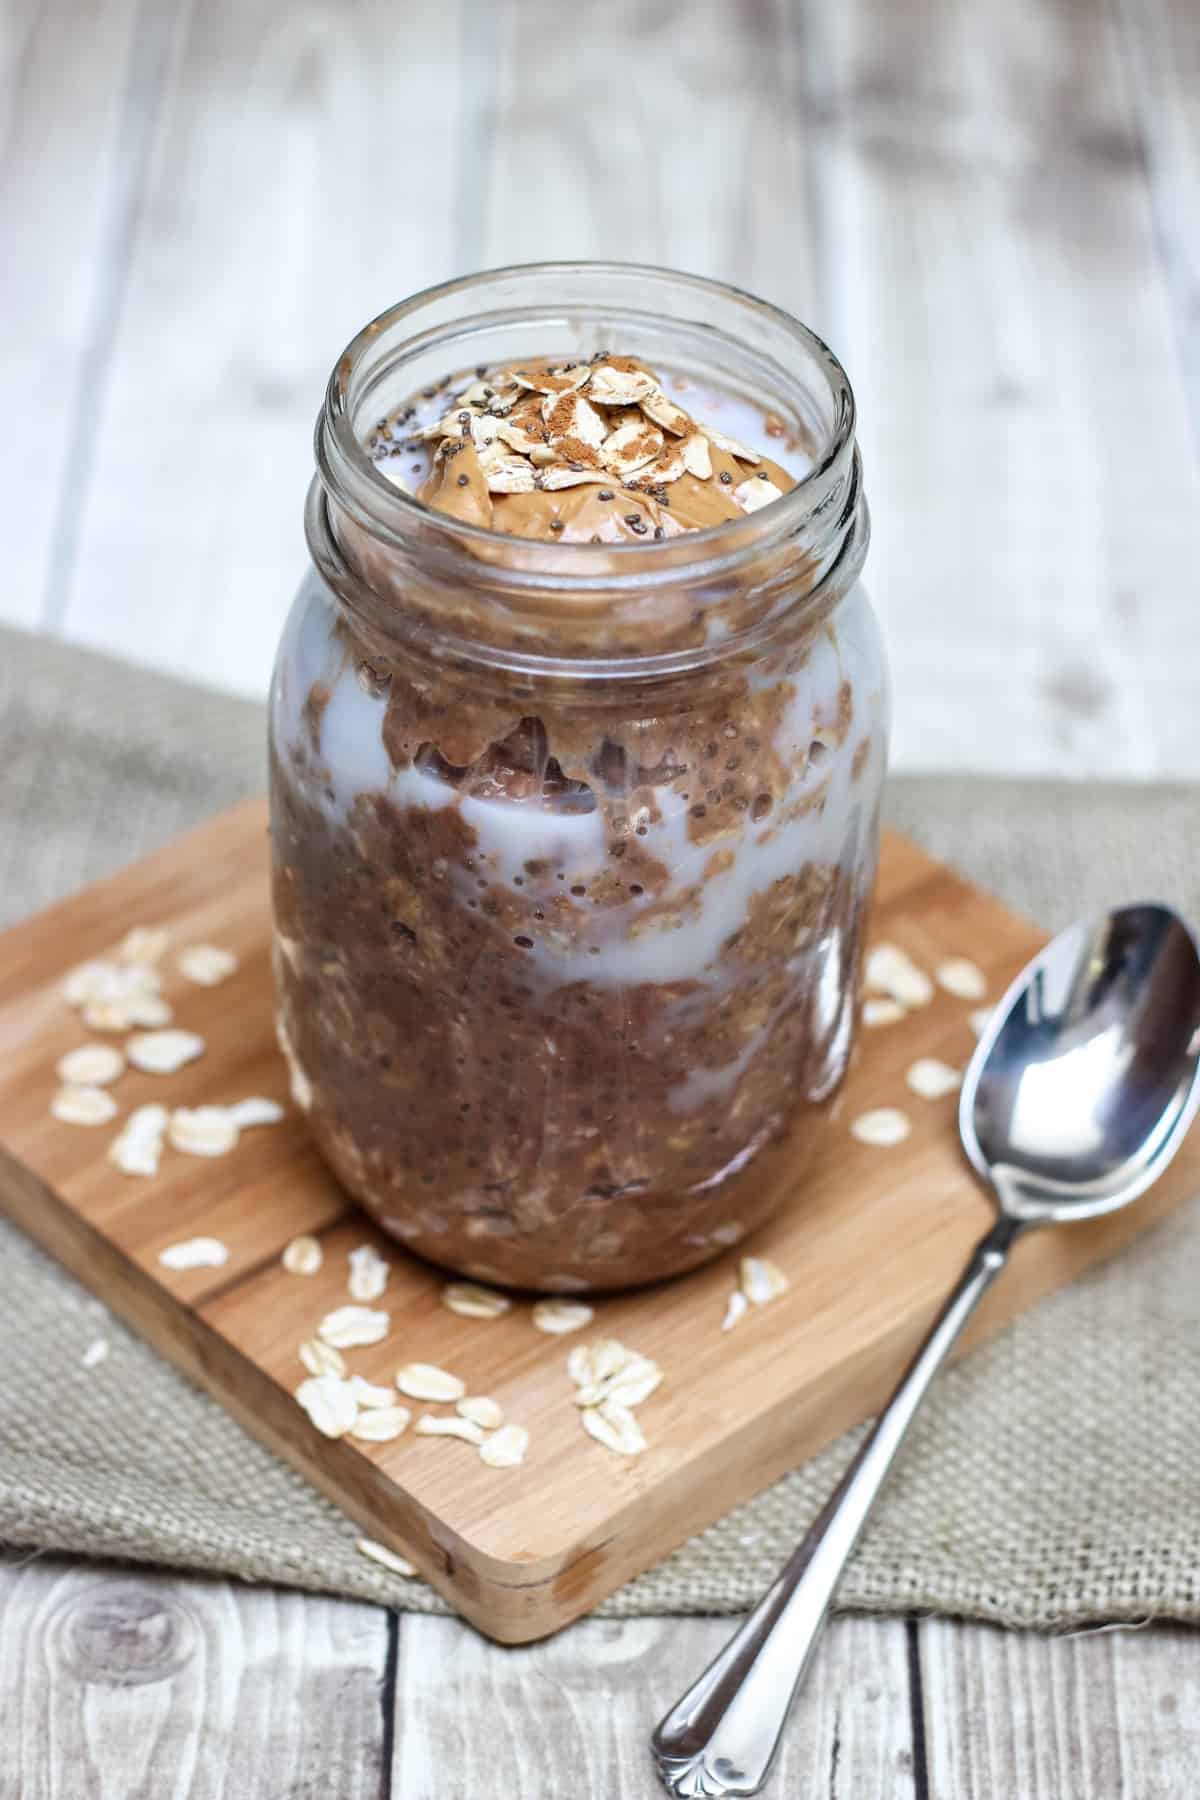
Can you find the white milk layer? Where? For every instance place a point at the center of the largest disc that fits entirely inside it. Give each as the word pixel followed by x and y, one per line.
pixel 603 949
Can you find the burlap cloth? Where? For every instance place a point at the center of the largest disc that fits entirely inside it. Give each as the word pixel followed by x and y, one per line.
pixel 1054 1477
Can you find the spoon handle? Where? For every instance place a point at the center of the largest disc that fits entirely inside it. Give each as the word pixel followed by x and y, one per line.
pixel 721 1736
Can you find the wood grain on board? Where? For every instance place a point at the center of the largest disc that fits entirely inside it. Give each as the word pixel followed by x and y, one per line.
pixel 871 1245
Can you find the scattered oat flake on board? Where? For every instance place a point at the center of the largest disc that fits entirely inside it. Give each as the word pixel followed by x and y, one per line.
pixel 86 981
pixel 322 1359
pixel 91 1065
pixel 144 944
pixel 962 978
pixel 615 1427
pixel 884 1125
pixel 892 971
pixel 107 1015
pixel 380 1424
pixel 505 1448
pixel 608 1370
pixel 348 1327
pixel 146 1122
pixel 195 1253
pixel 206 964
pixel 202 1130
pixel 84 1106
pixel 557 1317
pixel 163 1052
pixel 387 1559
pixel 633 1384
pixel 736 1307
pixel 762 1280
pixel 138 1146
pixel 116 997
pixel 257 1110
pixel 371 1393
pixel 429 1425
pixel 881 1012
pixel 303 1256
pixel 425 1381
pixel 368 1273
pixel 608 1356
pixel 980 1019
pixel 329 1403
pixel 471 1302
pixel 933 1079
pixel 481 1409
pixel 95 1353
pixel 148 1011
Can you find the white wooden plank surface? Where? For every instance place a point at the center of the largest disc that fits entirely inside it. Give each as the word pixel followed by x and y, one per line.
pixel 654 131
pixel 1101 1716
pixel 121 1686
pixel 1001 307
pixel 304 174
pixel 77 91
pixel 961 199
pixel 1162 51
pixel 571 1717
pixel 116 1685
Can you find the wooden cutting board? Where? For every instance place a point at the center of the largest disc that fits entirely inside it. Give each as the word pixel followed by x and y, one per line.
pixel 871 1244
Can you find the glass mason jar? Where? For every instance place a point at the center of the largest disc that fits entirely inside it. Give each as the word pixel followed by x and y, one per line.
pixel 573 843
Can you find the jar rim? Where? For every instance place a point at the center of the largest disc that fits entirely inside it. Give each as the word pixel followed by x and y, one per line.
pixel 349 473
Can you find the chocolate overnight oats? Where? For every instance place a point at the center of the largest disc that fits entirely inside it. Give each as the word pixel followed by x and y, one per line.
pixel 578 733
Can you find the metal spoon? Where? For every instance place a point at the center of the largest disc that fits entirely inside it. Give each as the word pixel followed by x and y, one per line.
pixel 1077 1097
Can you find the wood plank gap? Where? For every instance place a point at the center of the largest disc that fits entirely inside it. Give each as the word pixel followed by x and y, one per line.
pixel 916 1702
pixel 150 56
pixel 387 1699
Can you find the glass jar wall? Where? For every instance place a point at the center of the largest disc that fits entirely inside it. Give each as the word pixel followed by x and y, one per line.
pixel 572 844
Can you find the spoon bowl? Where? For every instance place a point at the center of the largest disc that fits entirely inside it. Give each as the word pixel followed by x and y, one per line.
pixel 1086 1077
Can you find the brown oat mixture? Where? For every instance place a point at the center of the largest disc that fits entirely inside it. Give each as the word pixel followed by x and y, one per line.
pixel 564 980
